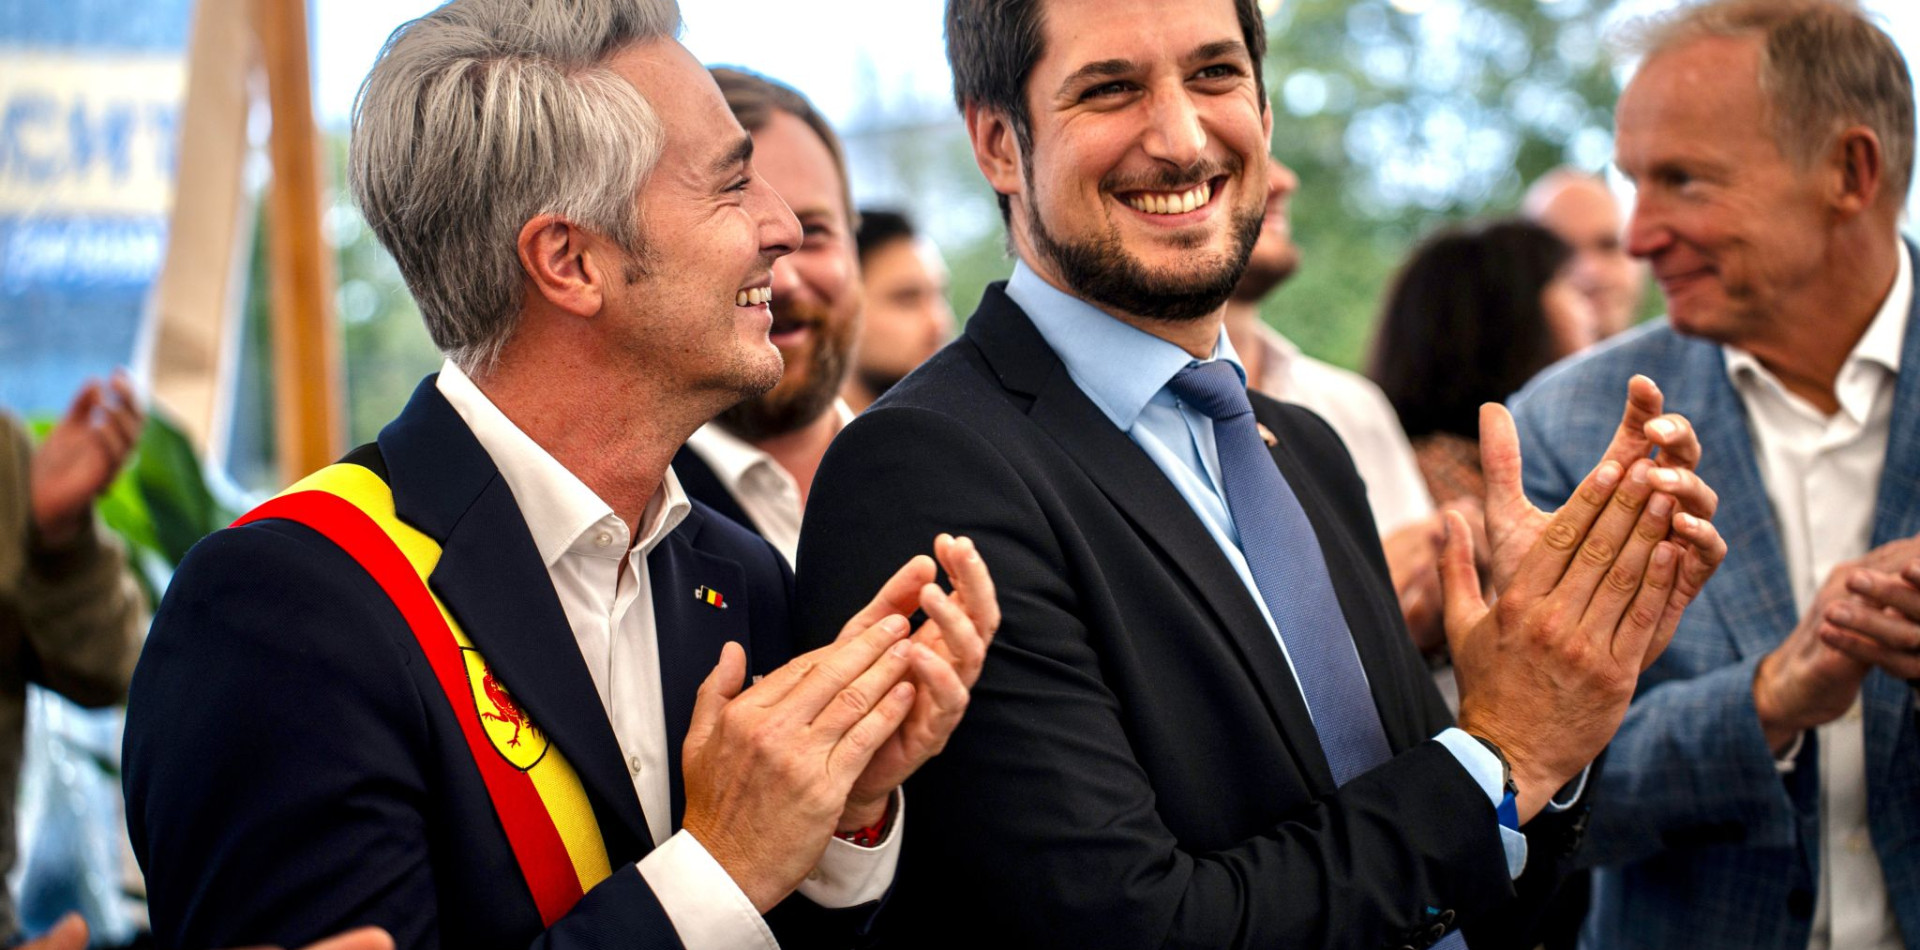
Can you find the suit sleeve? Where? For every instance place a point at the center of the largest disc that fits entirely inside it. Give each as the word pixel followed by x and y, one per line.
pixel 1038 792
pixel 1690 766
pixel 82 611
pixel 278 763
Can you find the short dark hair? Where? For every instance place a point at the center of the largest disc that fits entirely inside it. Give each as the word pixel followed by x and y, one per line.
pixel 754 98
pixel 880 227
pixel 993 44
pixel 1463 324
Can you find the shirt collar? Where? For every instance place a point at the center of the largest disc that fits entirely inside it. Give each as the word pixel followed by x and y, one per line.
pixel 1119 366
pixel 1280 352
pixel 732 457
pixel 1879 346
pixel 559 508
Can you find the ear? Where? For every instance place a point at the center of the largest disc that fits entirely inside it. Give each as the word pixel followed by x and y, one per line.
pixel 996 149
pixel 1861 164
pixel 564 264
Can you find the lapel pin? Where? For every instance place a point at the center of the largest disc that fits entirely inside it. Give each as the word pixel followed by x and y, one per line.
pixel 710 597
pixel 1266 435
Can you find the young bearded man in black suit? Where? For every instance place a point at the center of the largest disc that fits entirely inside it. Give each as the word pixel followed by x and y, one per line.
pixel 1204 724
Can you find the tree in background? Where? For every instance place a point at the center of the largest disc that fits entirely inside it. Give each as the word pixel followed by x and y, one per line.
pixel 1400 116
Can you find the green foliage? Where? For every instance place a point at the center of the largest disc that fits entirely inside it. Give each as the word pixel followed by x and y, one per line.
pixel 1399 122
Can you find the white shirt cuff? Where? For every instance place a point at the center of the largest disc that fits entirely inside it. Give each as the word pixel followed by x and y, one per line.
pixel 707 909
pixel 1484 767
pixel 1789 757
pixel 1569 794
pixel 849 875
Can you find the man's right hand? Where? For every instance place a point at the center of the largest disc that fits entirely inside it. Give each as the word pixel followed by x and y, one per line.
pixel 1806 682
pixel 1547 672
pixel 768 769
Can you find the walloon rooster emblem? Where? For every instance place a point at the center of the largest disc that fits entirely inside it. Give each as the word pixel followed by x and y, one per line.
pixel 505 709
pixel 513 733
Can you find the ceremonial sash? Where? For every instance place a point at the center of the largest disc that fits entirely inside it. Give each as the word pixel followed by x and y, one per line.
pixel 542 806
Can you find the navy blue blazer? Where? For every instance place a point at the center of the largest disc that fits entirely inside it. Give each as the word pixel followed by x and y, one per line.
pixel 1137 767
pixel 1701 841
pixel 293 769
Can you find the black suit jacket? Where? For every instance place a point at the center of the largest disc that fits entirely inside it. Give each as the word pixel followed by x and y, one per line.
pixel 1137 767
pixel 293 768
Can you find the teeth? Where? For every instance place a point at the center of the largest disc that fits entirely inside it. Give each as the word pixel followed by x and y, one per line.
pixel 1181 203
pixel 753 297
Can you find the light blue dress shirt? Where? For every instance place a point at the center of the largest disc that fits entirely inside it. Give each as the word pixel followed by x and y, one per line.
pixel 1124 371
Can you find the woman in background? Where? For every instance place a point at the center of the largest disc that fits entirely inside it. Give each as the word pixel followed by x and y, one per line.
pixel 1473 315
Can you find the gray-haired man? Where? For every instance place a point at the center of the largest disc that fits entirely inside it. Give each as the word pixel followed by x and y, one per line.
pixel 1764 790
pixel 463 685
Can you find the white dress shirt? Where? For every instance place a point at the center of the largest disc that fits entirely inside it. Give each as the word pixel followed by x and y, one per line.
pixel 1363 418
pixel 1823 475
pixel 599 573
pixel 767 492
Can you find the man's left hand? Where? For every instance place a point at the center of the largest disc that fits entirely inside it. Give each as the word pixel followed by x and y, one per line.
pixel 1880 623
pixel 80 458
pixel 1643 429
pixel 949 650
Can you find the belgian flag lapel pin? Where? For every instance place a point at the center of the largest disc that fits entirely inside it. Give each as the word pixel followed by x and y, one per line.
pixel 710 597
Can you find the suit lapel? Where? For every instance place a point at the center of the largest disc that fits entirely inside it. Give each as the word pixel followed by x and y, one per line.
pixel 1896 515
pixel 1129 479
pixel 1897 510
pixel 494 583
pixel 1752 593
pixel 690 630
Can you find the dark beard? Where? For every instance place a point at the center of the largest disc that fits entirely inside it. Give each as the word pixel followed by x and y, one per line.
pixel 1102 272
pixel 789 406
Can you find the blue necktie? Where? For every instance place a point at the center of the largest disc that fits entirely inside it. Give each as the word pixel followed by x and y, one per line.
pixel 1284 554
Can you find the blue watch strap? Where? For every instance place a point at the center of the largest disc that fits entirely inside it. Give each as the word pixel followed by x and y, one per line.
pixel 1509 811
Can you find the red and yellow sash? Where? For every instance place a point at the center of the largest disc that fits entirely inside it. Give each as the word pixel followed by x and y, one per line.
pixel 543 807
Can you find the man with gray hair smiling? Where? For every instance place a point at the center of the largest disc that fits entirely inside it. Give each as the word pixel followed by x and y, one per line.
pixel 463 684
pixel 1764 789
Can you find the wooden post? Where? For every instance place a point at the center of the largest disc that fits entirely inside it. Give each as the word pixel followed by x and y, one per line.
pixel 306 343
pixel 195 302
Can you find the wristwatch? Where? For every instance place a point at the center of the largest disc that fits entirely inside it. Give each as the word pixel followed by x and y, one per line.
pixel 1509 808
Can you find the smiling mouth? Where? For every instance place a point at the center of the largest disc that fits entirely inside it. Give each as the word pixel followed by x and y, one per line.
pixel 1673 280
pixel 753 297
pixel 1170 202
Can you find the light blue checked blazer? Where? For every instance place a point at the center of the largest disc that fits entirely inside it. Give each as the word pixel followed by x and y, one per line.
pixel 1698 841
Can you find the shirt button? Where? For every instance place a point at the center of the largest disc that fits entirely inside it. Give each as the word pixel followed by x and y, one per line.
pixel 633 764
pixel 603 539
pixel 815 876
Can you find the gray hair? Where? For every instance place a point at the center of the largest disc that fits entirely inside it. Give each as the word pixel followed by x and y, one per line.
pixel 484 114
pixel 1824 66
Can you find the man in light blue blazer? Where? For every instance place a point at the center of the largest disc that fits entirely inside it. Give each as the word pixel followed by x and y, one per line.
pixel 1764 791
